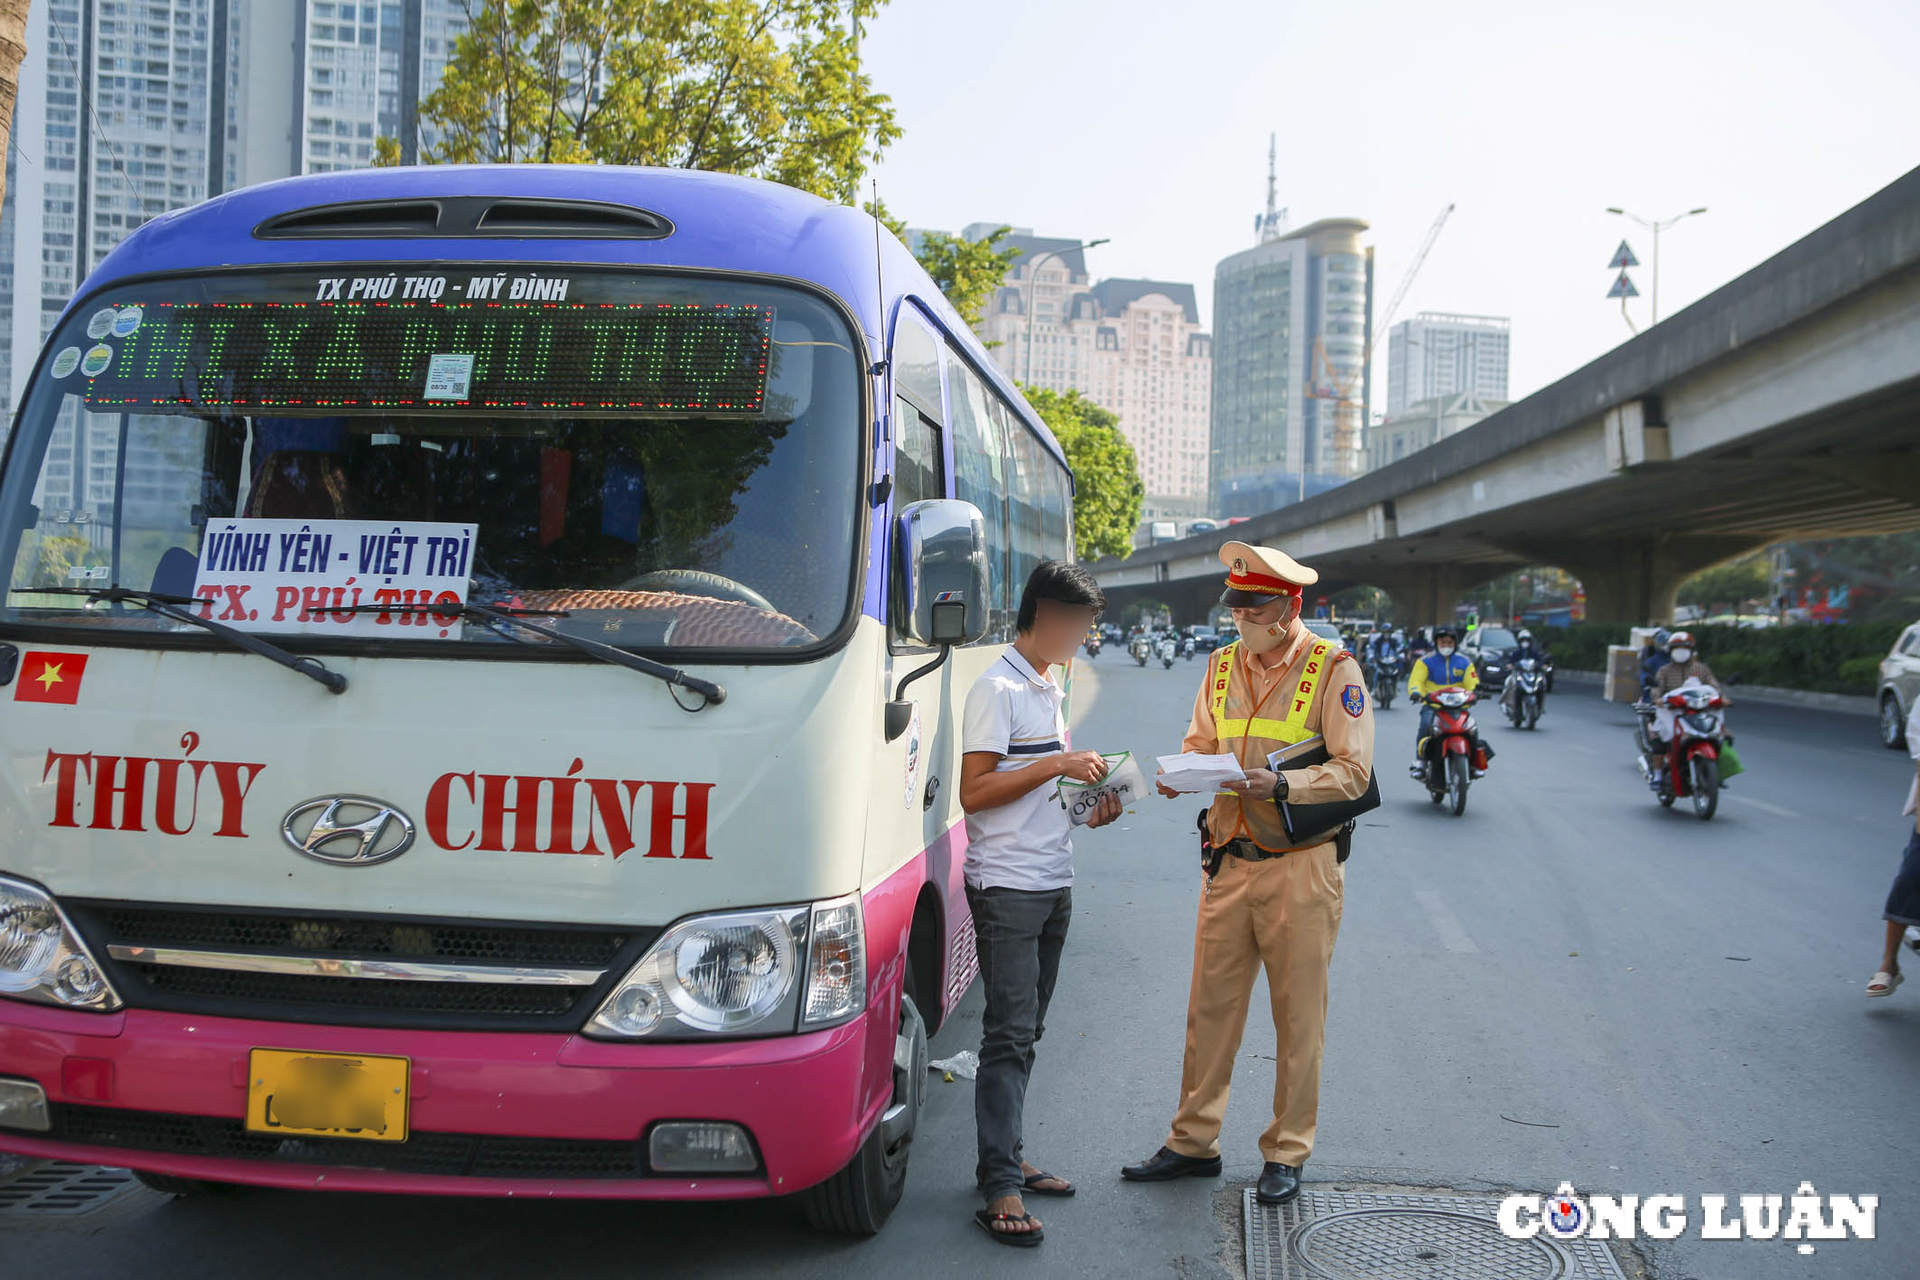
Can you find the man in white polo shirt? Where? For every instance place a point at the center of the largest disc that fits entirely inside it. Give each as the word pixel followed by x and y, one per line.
pixel 1019 871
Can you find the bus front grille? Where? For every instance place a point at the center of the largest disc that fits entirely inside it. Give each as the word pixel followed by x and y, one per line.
pixel 357 970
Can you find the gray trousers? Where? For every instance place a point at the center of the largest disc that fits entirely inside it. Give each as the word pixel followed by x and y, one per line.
pixel 1019 935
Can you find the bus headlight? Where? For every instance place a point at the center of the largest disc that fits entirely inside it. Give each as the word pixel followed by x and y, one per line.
pixel 42 958
pixel 734 973
pixel 737 973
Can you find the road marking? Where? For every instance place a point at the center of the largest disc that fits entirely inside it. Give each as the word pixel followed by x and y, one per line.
pixel 1453 936
pixel 1763 806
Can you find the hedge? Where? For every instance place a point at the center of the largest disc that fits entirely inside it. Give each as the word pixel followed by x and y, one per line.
pixel 1827 659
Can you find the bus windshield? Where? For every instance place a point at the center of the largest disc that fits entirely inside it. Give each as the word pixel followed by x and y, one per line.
pixel 655 461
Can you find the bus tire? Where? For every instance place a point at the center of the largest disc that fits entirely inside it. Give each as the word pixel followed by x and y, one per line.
pixel 858 1200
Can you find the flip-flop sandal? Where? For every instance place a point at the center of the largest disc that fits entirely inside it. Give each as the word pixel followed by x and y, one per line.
pixel 1886 982
pixel 1033 1184
pixel 1021 1239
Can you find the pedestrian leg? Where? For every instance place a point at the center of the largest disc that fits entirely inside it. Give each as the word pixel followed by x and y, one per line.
pixel 1007 926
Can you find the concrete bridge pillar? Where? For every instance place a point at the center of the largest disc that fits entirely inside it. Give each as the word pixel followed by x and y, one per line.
pixel 1425 594
pixel 1633 580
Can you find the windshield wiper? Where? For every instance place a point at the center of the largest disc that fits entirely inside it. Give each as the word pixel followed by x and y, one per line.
pixel 167 606
pixel 495 616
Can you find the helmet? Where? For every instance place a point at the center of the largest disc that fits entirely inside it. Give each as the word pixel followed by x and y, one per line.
pixel 1524 634
pixel 1660 638
pixel 1448 632
pixel 1680 639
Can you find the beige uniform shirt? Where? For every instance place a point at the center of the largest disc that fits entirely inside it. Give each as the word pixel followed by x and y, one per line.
pixel 1349 738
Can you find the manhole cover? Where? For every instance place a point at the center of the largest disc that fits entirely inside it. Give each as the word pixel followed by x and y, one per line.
pixel 62 1189
pixel 1369 1235
pixel 1386 1244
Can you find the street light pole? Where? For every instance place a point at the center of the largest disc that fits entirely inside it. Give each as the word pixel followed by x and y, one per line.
pixel 1033 274
pixel 1656 228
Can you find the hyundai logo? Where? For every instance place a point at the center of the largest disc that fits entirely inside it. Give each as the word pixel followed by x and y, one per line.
pixel 348 831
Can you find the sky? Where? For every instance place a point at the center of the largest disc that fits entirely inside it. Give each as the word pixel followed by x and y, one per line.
pixel 1147 123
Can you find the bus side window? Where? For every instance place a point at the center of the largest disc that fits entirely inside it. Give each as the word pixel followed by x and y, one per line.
pixel 980 477
pixel 1030 544
pixel 918 473
pixel 1058 512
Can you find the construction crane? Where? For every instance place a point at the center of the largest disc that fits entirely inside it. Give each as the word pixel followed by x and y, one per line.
pixel 1338 385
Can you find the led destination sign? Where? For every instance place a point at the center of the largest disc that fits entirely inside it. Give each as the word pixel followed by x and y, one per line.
pixel 352 348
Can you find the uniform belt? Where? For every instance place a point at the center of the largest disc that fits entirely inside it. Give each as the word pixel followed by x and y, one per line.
pixel 1247 850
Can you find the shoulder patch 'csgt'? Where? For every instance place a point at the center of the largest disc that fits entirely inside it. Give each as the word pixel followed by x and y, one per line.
pixel 1353 700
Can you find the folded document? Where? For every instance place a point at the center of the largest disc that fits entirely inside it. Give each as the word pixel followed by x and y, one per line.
pixel 1193 771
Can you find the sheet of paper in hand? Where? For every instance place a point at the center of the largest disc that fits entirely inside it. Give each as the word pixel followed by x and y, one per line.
pixel 1123 778
pixel 1196 771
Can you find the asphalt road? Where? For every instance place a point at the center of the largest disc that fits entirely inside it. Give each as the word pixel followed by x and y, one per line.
pixel 1567 982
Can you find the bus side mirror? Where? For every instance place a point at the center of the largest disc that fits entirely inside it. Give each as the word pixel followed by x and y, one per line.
pixel 939 587
pixel 940 573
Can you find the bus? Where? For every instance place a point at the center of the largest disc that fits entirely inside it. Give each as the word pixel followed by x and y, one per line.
pixel 485 649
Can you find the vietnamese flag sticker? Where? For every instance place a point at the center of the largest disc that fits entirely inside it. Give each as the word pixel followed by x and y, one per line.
pixel 49 677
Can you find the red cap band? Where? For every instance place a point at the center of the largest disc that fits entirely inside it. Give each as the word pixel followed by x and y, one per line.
pixel 1263 583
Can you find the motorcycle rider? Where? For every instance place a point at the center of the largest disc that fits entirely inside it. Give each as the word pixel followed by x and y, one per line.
pixel 1442 668
pixel 1379 645
pixel 1652 657
pixel 1683 664
pixel 1523 648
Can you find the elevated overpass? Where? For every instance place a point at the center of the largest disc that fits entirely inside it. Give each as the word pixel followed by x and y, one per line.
pixel 1784 405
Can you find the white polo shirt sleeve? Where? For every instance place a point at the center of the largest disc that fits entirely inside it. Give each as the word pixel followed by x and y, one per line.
pixel 987 722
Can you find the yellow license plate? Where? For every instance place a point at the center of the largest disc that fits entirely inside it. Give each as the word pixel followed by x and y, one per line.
pixel 327 1095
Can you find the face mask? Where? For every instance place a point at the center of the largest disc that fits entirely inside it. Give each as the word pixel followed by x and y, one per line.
pixel 1682 654
pixel 1446 651
pixel 1259 637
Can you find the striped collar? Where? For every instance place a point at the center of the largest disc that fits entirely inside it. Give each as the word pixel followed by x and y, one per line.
pixel 1013 658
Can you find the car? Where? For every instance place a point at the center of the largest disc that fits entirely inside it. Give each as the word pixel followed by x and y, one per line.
pixel 1324 629
pixel 1487 648
pixel 1205 638
pixel 1899 686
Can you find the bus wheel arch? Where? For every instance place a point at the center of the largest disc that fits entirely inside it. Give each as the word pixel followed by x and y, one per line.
pixel 926 963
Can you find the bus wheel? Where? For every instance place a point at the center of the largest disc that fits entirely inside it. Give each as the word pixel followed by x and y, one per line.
pixel 860 1198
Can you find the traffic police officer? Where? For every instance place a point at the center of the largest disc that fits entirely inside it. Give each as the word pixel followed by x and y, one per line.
pixel 1268 903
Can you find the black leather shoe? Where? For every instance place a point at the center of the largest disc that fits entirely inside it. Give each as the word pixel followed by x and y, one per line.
pixel 1279 1183
pixel 1164 1166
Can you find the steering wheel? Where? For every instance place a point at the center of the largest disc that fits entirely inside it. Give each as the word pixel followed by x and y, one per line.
pixel 698 582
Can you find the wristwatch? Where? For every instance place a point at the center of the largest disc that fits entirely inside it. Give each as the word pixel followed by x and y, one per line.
pixel 1279 786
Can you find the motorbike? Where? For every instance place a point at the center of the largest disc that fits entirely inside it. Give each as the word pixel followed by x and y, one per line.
pixel 1166 655
pixel 1693 756
pixel 1446 758
pixel 1140 649
pixel 1093 648
pixel 1186 647
pixel 1528 681
pixel 1387 673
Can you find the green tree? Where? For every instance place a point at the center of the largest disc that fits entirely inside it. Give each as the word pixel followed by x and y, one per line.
pixel 1108 490
pixel 1729 585
pixel 766 88
pixel 967 271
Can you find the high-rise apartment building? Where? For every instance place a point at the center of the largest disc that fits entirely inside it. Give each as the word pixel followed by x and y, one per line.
pixel 1438 354
pixel 362 70
pixel 129 108
pixel 1134 347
